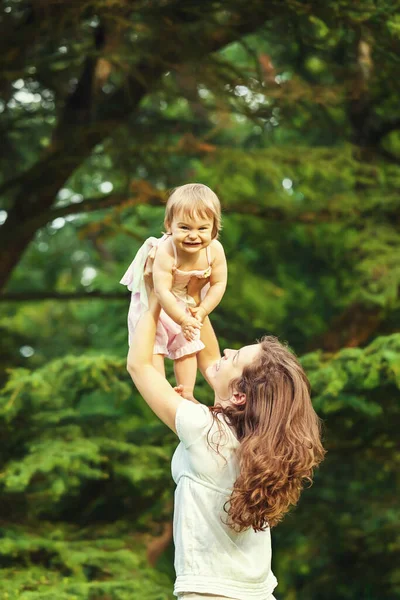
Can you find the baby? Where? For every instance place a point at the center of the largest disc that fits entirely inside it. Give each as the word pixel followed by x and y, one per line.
pixel 189 248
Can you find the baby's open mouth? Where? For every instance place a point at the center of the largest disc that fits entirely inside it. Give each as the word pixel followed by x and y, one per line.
pixel 192 243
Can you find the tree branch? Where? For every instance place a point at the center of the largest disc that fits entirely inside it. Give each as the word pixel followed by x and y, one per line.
pixel 87 205
pixel 40 296
pixel 383 129
pixel 12 182
pixel 267 213
pixel 352 328
pixel 92 205
pixel 90 116
pixel 155 198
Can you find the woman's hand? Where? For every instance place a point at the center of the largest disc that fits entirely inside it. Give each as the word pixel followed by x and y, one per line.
pixel 148 267
pixel 148 276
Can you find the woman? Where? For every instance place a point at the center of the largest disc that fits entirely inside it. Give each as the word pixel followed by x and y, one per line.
pixel 240 464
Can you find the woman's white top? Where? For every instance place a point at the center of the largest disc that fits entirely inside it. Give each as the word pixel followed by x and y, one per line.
pixel 210 557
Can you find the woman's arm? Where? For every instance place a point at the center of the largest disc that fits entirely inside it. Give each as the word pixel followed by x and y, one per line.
pixel 218 280
pixel 154 388
pixel 211 352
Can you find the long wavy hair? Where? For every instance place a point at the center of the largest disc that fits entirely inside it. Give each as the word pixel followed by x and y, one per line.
pixel 279 434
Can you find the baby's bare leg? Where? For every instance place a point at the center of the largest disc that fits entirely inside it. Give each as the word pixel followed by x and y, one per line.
pixel 158 363
pixel 185 373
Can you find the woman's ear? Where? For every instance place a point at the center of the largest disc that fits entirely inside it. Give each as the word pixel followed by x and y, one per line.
pixel 238 398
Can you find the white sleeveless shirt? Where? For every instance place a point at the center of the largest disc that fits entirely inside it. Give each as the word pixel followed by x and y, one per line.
pixel 210 557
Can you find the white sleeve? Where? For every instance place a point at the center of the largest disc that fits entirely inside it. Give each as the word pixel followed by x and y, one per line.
pixel 192 421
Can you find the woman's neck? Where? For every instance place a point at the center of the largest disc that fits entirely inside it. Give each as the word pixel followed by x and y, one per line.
pixel 220 401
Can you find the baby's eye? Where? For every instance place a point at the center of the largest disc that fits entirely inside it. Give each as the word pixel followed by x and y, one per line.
pixel 184 227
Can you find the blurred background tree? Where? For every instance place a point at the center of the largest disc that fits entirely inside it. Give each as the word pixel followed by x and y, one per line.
pixel 289 111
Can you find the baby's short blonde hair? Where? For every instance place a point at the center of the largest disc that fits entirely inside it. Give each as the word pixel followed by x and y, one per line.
pixel 194 199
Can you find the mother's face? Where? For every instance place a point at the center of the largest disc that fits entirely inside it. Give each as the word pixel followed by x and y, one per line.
pixel 229 367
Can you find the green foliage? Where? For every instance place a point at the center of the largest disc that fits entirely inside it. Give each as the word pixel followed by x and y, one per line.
pixel 356 392
pixel 66 414
pixel 57 560
pixel 289 110
pixel 85 450
pixel 88 450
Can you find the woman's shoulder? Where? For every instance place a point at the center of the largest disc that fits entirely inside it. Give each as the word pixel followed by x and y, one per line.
pixel 196 422
pixel 190 410
pixel 192 421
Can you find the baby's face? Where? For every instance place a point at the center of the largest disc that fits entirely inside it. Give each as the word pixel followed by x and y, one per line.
pixel 191 234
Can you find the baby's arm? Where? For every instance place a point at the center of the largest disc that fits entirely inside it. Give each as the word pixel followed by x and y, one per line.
pixel 218 280
pixel 162 281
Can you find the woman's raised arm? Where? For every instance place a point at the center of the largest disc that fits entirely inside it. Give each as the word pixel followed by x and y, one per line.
pixel 154 388
pixel 211 353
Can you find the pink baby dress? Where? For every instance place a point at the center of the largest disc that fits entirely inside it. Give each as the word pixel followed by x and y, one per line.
pixel 170 340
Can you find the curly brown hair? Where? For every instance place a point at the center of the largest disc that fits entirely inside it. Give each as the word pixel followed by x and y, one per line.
pixel 279 434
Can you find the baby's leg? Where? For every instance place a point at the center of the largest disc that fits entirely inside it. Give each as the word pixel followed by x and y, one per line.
pixel 158 363
pixel 185 373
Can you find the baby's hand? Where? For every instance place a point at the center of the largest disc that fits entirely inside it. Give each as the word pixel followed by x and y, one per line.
pixel 189 326
pixel 199 312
